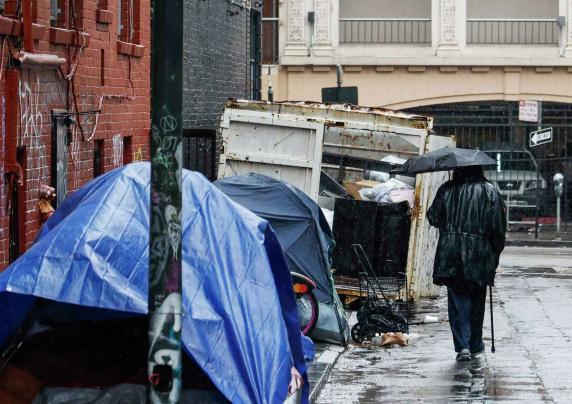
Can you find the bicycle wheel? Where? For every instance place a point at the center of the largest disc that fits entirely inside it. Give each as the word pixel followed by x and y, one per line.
pixel 307 311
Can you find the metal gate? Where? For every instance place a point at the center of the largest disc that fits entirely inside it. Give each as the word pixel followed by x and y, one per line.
pixel 199 151
pixel 494 127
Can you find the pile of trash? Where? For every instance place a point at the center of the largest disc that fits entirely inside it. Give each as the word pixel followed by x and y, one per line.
pixel 389 339
pixel 391 191
pixel 382 190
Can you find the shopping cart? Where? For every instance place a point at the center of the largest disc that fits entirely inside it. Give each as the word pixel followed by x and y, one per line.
pixel 378 314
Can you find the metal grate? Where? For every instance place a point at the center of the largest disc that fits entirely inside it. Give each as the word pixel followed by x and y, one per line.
pixel 384 30
pixel 199 151
pixel 513 31
pixel 494 127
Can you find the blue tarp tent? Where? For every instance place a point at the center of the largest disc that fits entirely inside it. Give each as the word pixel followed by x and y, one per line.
pixel 240 320
pixel 305 236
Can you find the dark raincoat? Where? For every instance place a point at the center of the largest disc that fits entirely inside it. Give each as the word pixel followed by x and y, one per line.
pixel 470 215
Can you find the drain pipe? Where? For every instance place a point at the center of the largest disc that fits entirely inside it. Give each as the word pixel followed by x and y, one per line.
pixel 14 174
pixel 28 31
pixel 13 170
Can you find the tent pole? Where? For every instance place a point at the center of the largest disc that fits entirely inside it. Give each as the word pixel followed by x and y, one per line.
pixel 164 360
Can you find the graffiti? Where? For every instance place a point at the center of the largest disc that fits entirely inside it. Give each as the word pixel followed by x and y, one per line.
pixel 30 134
pixel 173 217
pixel 30 114
pixel 160 197
pixel 164 360
pixel 165 143
pixel 138 154
pixel 165 351
pixel 168 124
pixel 165 297
pixel 160 251
pixel 117 150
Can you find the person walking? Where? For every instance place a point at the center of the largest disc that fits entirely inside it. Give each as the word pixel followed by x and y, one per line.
pixel 470 215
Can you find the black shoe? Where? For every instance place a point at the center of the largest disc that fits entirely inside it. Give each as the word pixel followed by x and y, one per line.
pixel 478 353
pixel 464 355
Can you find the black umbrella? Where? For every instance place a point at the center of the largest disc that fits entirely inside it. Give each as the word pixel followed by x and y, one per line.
pixel 445 159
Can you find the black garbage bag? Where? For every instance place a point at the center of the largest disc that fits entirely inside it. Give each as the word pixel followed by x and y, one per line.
pixel 377 316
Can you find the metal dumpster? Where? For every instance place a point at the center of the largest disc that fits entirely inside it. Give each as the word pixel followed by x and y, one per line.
pixel 296 141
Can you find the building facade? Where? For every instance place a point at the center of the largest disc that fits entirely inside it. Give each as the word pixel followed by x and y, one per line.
pixel 409 53
pixel 466 62
pixel 74 103
pixel 221 60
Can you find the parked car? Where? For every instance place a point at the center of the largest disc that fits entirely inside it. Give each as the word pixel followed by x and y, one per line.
pixel 515 175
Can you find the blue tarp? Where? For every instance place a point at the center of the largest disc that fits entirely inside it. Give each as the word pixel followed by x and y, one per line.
pixel 305 237
pixel 240 319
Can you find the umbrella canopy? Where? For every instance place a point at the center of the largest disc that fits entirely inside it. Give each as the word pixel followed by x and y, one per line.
pixel 445 159
pixel 92 257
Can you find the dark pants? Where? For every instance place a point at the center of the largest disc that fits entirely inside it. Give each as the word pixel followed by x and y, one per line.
pixel 466 315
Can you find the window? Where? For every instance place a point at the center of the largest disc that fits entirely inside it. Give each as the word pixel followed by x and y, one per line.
pixel 270 32
pixel 98 154
pixel 62 10
pixel 127 150
pixel 57 18
pixel 128 20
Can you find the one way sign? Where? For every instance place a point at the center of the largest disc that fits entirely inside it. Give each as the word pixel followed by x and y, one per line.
pixel 540 137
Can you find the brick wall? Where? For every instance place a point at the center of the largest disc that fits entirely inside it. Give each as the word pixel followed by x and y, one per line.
pixel 110 75
pixel 216 60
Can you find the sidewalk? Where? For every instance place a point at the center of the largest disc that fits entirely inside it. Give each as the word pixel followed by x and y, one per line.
pixel 319 371
pixel 532 363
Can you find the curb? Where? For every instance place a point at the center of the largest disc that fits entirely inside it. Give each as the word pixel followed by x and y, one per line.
pixel 538 243
pixel 325 363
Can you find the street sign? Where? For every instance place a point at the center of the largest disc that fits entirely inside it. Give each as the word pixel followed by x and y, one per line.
pixel 528 111
pixel 540 137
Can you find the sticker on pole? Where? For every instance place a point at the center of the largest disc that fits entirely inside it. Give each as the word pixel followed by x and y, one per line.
pixel 528 111
pixel 540 137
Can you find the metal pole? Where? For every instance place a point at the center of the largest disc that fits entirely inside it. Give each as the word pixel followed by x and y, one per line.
pixel 270 89
pixel 558 216
pixel 565 206
pixel 493 349
pixel 339 74
pixel 164 361
pixel 538 175
pixel 508 209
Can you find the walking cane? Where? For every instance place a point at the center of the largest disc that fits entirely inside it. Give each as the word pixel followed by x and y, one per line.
pixel 492 323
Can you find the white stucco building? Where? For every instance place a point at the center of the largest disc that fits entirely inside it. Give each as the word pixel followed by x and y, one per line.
pixel 409 53
pixel 466 62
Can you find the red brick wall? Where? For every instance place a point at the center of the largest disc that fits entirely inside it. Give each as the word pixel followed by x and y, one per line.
pixel 109 73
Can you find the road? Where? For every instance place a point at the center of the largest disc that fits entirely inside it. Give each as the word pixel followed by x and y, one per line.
pixel 533 361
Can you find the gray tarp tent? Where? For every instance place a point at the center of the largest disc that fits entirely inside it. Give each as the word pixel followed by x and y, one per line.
pixel 305 237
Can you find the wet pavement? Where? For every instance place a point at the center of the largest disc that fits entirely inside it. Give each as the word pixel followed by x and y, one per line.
pixel 533 361
pixel 537 257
